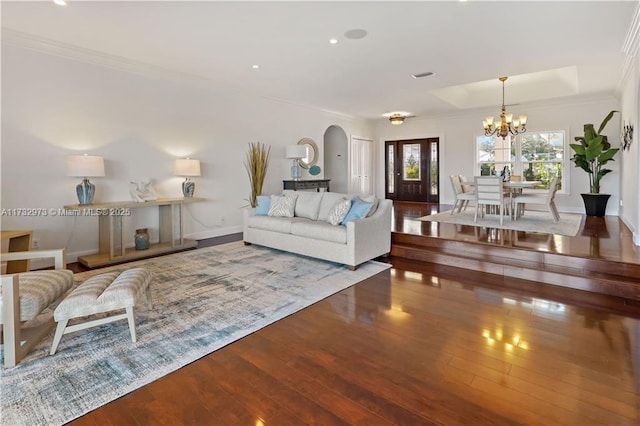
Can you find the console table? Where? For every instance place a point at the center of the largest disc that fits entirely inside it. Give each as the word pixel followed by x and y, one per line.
pixel 111 246
pixel 307 184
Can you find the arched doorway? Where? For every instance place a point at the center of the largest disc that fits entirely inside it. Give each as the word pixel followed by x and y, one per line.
pixel 336 158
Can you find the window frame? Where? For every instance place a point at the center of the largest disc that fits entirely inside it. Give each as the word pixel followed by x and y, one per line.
pixel 517 166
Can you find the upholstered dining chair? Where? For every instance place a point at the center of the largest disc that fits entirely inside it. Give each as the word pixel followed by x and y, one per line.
pixel 24 297
pixel 462 197
pixel 547 200
pixel 489 192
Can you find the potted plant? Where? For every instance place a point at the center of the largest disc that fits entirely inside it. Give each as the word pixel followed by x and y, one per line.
pixel 256 164
pixel 591 154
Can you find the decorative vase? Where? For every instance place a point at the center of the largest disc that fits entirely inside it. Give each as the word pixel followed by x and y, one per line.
pixel 142 239
pixel 595 204
pixel 85 191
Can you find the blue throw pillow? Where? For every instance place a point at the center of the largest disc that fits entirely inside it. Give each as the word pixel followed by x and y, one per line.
pixel 359 209
pixel 264 203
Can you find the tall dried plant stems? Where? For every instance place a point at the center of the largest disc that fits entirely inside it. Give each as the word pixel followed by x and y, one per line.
pixel 256 164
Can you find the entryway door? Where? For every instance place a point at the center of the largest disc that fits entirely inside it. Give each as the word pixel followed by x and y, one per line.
pixel 411 170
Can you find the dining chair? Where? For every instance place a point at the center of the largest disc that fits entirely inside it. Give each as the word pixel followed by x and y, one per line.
pixel 489 192
pixel 547 199
pixel 467 185
pixel 461 197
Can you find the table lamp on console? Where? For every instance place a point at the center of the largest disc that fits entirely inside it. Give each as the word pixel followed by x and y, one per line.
pixel 296 152
pixel 187 168
pixel 85 166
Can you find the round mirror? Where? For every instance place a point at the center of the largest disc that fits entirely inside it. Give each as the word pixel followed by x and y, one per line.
pixel 312 153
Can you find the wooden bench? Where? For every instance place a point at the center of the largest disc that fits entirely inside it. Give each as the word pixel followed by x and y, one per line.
pixel 103 293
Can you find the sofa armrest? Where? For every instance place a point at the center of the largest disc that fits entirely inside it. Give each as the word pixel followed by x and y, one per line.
pixel 371 236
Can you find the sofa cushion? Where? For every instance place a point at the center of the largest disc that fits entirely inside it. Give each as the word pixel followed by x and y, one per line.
pixel 308 204
pixel 264 203
pixel 319 230
pixel 339 211
pixel 283 205
pixel 358 210
pixel 327 204
pixel 269 223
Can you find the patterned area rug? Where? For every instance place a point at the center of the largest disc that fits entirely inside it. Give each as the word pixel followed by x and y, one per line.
pixel 532 221
pixel 203 300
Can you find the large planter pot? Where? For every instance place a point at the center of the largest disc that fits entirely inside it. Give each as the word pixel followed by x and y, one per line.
pixel 595 204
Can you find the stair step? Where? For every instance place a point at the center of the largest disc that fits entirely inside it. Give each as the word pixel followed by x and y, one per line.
pixel 517 263
pixel 516 255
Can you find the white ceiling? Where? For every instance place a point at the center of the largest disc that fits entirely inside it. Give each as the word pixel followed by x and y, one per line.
pixel 549 49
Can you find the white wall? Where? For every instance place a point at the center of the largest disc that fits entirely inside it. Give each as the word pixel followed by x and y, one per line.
pixel 53 107
pixel 458 134
pixel 630 159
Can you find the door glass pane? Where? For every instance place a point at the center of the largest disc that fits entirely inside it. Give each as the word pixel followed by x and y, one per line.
pixel 411 161
pixel 434 168
pixel 391 170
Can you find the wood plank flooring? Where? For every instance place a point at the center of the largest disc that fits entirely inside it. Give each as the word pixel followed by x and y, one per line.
pixel 416 344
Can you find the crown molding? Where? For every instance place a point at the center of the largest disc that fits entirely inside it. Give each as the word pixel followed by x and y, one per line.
pixel 44 45
pixel 630 48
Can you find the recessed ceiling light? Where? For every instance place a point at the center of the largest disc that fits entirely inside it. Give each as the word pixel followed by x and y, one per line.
pixel 255 67
pixel 422 74
pixel 333 41
pixel 60 2
pixel 356 34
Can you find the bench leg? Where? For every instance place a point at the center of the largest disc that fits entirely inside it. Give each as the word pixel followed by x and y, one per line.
pixel 56 339
pixel 148 293
pixel 132 323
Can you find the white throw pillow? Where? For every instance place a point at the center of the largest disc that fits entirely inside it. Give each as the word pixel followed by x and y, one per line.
pixel 339 211
pixel 282 205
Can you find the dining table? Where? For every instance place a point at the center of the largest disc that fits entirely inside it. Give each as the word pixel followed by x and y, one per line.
pixel 513 187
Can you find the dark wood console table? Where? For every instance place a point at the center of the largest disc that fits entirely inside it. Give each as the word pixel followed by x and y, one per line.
pixel 307 184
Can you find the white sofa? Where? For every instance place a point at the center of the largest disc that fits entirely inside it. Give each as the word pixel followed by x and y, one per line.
pixel 308 232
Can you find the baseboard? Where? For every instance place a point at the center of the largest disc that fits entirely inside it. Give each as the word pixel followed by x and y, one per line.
pixel 218 232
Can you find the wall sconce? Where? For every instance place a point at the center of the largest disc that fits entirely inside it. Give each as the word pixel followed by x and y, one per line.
pixel 85 166
pixel 187 167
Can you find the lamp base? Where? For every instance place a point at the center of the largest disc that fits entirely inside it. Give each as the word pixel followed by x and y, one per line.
pixel 188 188
pixel 85 191
pixel 295 170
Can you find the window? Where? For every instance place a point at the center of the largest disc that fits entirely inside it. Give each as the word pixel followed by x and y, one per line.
pixel 411 160
pixel 534 156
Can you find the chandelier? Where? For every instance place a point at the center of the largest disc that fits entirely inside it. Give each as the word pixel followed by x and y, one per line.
pixel 507 124
pixel 396 119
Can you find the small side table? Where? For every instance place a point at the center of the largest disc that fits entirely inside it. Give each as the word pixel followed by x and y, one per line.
pixel 307 184
pixel 18 241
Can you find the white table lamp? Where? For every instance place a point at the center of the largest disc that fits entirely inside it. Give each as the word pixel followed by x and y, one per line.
pixel 187 168
pixel 85 166
pixel 296 152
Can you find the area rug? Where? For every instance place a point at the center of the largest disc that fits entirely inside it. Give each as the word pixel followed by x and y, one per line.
pixel 532 221
pixel 202 300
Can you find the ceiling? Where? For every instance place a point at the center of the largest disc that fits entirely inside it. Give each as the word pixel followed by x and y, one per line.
pixel 549 49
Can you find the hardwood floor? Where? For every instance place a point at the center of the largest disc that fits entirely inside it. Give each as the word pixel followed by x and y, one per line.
pixel 417 344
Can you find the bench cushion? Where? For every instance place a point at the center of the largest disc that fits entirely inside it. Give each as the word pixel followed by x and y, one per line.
pixel 39 289
pixel 104 293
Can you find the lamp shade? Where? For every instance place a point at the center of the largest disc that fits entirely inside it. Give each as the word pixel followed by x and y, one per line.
pixel 296 151
pixel 186 167
pixel 85 165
